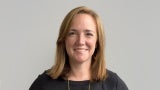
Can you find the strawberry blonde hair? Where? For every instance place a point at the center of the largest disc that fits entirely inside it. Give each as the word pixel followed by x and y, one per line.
pixel 98 65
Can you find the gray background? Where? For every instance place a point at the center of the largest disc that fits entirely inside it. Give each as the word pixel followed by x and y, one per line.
pixel 29 28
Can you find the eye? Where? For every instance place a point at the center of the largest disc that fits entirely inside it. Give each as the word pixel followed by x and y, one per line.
pixel 72 33
pixel 89 34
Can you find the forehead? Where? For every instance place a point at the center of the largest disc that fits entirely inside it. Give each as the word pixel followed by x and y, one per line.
pixel 83 21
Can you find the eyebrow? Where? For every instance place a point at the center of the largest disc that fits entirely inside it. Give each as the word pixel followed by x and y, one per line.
pixel 73 30
pixel 87 30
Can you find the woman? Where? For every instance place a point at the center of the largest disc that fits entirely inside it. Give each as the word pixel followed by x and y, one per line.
pixel 80 62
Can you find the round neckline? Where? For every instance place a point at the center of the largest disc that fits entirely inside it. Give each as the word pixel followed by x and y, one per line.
pixel 79 83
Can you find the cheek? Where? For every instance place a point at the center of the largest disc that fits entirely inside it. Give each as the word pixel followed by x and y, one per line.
pixel 67 46
pixel 92 43
pixel 69 43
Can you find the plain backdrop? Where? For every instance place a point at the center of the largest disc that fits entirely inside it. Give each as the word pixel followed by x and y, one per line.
pixel 29 29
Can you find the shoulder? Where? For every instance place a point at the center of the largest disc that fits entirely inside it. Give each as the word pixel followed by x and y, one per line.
pixel 114 82
pixel 39 81
pixel 42 81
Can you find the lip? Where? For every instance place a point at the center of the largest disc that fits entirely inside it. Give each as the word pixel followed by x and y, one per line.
pixel 80 49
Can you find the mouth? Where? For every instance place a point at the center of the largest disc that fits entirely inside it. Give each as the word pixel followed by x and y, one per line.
pixel 80 49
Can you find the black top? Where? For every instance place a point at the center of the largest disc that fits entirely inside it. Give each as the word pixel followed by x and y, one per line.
pixel 45 82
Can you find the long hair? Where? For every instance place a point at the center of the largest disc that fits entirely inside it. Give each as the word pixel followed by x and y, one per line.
pixel 98 65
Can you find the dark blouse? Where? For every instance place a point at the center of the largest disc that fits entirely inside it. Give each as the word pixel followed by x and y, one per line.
pixel 45 82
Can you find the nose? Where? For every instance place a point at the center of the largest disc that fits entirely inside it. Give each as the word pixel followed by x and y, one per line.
pixel 80 39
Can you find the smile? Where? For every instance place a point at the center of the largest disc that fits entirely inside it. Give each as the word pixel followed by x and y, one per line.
pixel 80 49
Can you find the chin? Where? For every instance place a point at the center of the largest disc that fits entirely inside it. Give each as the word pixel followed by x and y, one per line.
pixel 81 60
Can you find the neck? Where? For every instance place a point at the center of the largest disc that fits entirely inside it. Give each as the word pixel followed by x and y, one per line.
pixel 79 72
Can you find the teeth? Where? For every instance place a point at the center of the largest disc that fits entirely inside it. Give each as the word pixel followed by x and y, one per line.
pixel 80 49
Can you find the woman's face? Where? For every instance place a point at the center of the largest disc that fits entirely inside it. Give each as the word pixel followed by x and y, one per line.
pixel 81 39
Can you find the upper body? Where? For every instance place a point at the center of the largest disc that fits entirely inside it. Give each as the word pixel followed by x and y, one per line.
pixel 45 82
pixel 79 56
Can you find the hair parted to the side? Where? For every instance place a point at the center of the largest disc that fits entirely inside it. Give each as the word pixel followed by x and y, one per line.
pixel 98 65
